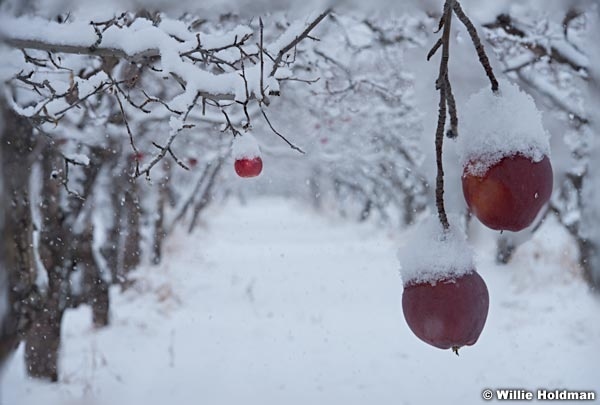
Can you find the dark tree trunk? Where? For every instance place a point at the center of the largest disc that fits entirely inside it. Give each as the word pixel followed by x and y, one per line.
pixel 16 251
pixel 43 340
pixel 100 303
pixel 95 289
pixel 159 230
pixel 131 244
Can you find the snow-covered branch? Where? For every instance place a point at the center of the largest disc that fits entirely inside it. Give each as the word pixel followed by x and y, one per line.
pixel 171 43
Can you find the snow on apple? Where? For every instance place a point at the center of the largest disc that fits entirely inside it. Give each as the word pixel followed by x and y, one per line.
pixel 430 253
pixel 494 126
pixel 507 175
pixel 246 152
pixel 445 301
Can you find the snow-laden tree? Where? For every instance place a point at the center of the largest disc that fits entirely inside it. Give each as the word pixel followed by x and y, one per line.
pixel 92 107
pixel 119 128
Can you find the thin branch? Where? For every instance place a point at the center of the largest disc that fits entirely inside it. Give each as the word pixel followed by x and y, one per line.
pixel 483 59
pixel 65 180
pixel 441 84
pixel 262 63
pixel 434 49
pixel 175 158
pixel 131 140
pixel 291 145
pixel 453 131
pixel 297 40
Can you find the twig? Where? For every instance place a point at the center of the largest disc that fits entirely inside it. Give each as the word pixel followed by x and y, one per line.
pixel 297 40
pixel 453 131
pixel 262 64
pixel 131 140
pixel 179 162
pixel 483 59
pixel 441 84
pixel 296 148
pixel 447 103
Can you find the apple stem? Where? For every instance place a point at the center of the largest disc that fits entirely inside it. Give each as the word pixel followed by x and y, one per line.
pixel 483 59
pixel 442 84
pixel 455 350
pixel 447 105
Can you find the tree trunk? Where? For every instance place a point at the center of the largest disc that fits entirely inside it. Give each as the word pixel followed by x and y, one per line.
pixel 100 303
pixel 95 289
pixel 18 270
pixel 43 340
pixel 131 244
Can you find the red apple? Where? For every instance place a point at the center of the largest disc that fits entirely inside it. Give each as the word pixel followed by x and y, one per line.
pixel 248 167
pixel 510 194
pixel 449 314
pixel 136 156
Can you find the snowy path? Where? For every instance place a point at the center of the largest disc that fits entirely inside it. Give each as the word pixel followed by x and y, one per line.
pixel 271 304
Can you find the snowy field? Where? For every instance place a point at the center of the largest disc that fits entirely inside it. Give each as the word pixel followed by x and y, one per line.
pixel 269 303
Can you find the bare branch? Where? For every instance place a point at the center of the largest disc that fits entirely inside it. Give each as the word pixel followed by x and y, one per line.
pixel 483 59
pixel 439 133
pixel 297 40
pixel 453 131
pixel 296 148
pixel 136 155
pixel 434 49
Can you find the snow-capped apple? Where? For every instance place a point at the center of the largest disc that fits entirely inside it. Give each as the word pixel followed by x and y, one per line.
pixel 510 193
pixel 246 153
pixel 448 313
pixel 246 167
pixel 504 151
pixel 445 301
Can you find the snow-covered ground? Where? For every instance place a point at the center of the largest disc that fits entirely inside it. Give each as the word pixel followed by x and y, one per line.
pixel 269 303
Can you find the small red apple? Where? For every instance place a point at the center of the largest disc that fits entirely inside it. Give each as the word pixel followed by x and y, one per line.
pixel 449 314
pixel 136 156
pixel 510 194
pixel 248 167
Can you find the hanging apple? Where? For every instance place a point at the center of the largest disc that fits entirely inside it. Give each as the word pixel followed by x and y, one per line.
pixel 505 150
pixel 509 194
pixel 246 167
pixel 445 301
pixel 448 313
pixel 246 152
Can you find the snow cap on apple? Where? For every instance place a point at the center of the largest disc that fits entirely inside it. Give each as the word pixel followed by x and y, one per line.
pixel 245 146
pixel 430 253
pixel 246 152
pixel 507 176
pixel 445 301
pixel 497 125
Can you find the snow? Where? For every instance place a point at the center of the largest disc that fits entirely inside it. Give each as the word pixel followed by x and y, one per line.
pixel 40 29
pixel 430 253
pixel 86 87
pixel 245 147
pixel 143 38
pixel 102 220
pixel 176 28
pixel 78 158
pixel 498 125
pixel 35 189
pixel 281 306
